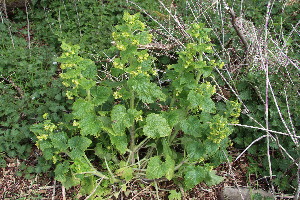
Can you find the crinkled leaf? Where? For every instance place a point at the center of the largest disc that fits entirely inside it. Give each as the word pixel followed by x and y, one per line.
pixel 174 116
pixel 106 124
pixel 174 195
pixel 125 172
pixel 87 184
pixel 213 179
pixel 209 106
pixel 82 108
pixel 86 84
pixel 80 165
pixel 59 140
pixel 133 114
pixel 194 147
pixel 120 119
pixel 210 147
pixel 70 74
pixel 169 166
pixel 100 94
pixel 167 151
pixel 188 80
pixel 47 149
pixel 146 91
pixel 155 168
pixel 102 152
pixel 191 126
pixel 61 170
pixel 195 99
pixel 194 175
pixel 45 144
pixel 90 69
pixel 78 145
pixel 90 125
pixel 156 126
pixel 120 142
pixel 72 49
pixel 200 101
pixel 71 180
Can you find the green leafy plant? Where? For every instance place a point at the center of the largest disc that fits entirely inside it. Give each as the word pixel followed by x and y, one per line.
pixel 29 87
pixel 135 128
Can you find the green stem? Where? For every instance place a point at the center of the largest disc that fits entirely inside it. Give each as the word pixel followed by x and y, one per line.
pixel 132 132
pixel 140 144
pixel 173 99
pixel 173 136
pixel 88 92
pixel 198 73
pixel 198 77
pixel 180 164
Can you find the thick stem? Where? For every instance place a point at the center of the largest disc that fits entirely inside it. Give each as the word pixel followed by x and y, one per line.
pixel 137 147
pixel 173 99
pixel 132 133
pixel 198 72
pixel 88 92
pixel 198 77
pixel 173 136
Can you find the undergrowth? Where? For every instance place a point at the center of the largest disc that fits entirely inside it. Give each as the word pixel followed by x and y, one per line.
pixel 256 40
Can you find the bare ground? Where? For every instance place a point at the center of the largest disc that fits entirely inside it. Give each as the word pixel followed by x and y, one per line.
pixel 46 188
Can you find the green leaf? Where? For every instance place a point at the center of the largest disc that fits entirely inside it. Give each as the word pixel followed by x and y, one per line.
pixel 89 69
pixel 156 126
pixel 167 151
pixel 201 98
pixel 102 152
pixel 134 114
pixel 59 140
pixel 125 172
pixel 90 125
pixel 86 84
pixel 120 142
pixel 146 91
pixel 120 120
pixel 61 170
pixel 80 165
pixel 78 145
pixel 82 108
pixel 101 94
pixel 174 195
pixel 155 169
pixel 45 144
pixel 194 147
pixel 87 184
pixel 192 126
pixel 194 175
pixel 174 116
pixel 188 80
pixel 213 179
pixel 169 166
pixel 202 102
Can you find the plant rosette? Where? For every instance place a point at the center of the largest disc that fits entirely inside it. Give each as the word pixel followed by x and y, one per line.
pixel 135 128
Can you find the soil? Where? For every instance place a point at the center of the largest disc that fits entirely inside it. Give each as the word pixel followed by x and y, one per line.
pixel 45 187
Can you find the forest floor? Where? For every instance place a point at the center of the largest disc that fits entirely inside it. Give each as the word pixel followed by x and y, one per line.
pixel 44 187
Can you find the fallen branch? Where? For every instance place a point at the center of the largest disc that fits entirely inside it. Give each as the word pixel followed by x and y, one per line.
pixel 235 26
pixel 9 81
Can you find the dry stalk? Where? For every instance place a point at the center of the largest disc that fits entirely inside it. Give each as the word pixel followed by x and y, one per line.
pixel 53 190
pixel 232 174
pixel 63 191
pixel 235 25
pixel 28 24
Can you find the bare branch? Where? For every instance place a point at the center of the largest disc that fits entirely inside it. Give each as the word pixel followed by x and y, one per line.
pixel 235 26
